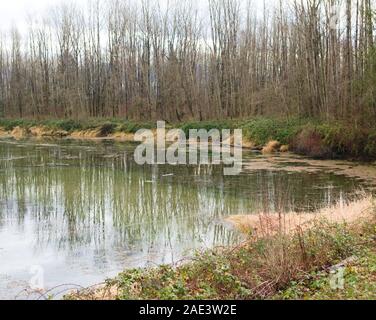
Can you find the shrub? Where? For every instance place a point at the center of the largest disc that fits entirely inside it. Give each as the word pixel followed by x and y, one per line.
pixel 370 147
pixel 263 130
pixel 311 143
pixel 107 129
pixel 66 125
pixel 344 140
pixel 207 125
pixel 133 127
pixel 10 124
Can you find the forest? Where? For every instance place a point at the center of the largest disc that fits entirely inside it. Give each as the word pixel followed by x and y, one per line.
pixel 281 208
pixel 143 60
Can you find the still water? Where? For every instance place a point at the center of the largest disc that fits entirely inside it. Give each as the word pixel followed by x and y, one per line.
pixel 80 212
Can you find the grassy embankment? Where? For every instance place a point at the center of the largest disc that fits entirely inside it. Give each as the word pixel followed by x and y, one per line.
pixel 280 262
pixel 305 136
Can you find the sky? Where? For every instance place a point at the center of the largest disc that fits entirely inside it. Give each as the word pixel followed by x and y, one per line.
pixel 15 12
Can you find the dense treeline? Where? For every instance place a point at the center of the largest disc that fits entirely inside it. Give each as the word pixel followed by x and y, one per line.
pixel 147 61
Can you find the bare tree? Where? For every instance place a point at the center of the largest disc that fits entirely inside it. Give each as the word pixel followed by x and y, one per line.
pixel 149 61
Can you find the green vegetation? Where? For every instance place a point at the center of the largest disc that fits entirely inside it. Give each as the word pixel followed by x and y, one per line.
pixel 359 282
pixel 278 267
pixel 309 137
pixel 209 125
pixel 263 130
pixel 106 126
pixel 10 124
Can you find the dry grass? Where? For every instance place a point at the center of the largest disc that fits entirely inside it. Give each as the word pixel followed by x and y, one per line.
pixel 43 131
pixel 86 134
pixel 284 148
pixel 121 136
pixel 100 292
pixel 19 133
pixel 263 225
pixel 3 133
pixel 271 147
pixel 248 144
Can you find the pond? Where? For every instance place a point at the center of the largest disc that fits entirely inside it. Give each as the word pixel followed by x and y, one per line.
pixel 82 211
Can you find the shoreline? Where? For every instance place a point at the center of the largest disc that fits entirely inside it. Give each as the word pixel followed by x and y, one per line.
pixel 94 134
pixel 308 137
pixel 279 264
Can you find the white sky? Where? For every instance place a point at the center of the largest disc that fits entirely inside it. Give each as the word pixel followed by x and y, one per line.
pixel 15 12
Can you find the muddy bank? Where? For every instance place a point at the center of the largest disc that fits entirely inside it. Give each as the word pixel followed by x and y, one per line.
pixel 309 137
pixel 45 132
pixel 99 133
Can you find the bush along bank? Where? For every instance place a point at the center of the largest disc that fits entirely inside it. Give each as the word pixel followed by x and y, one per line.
pixel 288 264
pixel 308 137
pixel 79 129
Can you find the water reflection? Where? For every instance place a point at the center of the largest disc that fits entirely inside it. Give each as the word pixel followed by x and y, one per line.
pixel 85 211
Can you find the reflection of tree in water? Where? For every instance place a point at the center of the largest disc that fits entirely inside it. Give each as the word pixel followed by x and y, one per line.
pixel 78 197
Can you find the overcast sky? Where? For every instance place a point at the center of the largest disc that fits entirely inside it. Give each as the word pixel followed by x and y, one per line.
pixel 15 12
